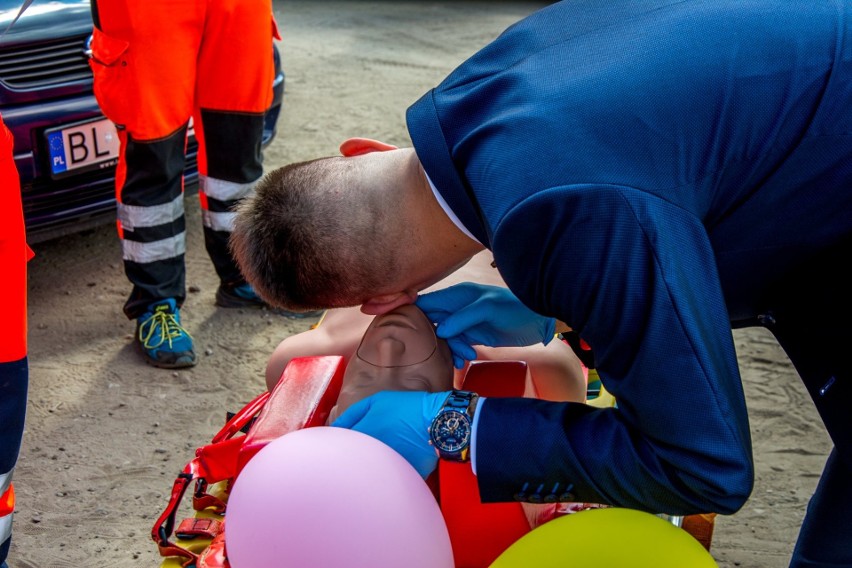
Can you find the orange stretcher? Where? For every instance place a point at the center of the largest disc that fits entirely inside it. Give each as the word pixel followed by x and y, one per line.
pixel 303 397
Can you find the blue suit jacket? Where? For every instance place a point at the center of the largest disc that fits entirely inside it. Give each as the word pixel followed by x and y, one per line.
pixel 645 171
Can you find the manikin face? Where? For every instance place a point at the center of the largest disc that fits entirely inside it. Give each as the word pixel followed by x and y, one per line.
pixel 399 352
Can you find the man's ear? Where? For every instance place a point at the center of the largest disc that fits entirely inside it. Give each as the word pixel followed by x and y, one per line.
pixel 384 303
pixel 358 146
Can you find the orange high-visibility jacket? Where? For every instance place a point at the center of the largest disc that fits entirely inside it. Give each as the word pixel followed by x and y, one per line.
pixel 14 255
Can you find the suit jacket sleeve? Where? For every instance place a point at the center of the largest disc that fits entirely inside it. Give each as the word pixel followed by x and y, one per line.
pixel 635 275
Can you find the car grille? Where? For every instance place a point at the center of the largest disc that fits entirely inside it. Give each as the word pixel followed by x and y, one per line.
pixel 45 64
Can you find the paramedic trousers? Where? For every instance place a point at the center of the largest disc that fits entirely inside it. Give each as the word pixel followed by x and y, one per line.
pixel 811 320
pixel 157 64
pixel 14 254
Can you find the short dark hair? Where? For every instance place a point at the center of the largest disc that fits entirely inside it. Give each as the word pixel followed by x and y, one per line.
pixel 309 238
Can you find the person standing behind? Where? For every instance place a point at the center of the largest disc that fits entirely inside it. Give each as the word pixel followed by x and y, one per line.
pixel 14 369
pixel 156 64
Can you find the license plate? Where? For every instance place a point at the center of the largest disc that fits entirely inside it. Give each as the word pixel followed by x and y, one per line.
pixel 82 147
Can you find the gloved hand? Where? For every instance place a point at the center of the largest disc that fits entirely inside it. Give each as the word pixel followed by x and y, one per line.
pixel 400 419
pixel 471 314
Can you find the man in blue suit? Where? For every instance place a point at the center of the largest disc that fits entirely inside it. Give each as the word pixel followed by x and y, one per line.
pixel 651 174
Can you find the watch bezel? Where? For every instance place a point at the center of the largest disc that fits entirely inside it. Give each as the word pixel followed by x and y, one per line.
pixel 441 443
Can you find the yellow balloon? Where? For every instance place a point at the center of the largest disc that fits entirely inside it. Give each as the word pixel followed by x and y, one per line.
pixel 606 538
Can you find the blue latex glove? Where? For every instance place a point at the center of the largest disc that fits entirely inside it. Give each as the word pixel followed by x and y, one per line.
pixel 470 314
pixel 400 419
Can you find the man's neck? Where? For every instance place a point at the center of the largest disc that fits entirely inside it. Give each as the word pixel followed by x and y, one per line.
pixel 444 227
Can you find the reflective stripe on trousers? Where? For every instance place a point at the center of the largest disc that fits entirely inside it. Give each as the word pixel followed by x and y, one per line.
pixel 132 217
pixel 218 199
pixel 5 528
pixel 145 253
pixel 7 507
pixel 5 485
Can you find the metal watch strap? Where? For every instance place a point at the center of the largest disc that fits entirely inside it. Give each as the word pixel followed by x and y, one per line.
pixel 462 401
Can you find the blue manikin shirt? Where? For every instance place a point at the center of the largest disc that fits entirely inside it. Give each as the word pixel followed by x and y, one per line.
pixel 644 171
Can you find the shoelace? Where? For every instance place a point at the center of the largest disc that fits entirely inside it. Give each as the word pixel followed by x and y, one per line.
pixel 166 323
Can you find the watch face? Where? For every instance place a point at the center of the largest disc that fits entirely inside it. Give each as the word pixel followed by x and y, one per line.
pixel 450 431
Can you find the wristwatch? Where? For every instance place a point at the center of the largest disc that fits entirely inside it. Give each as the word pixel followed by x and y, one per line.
pixel 450 431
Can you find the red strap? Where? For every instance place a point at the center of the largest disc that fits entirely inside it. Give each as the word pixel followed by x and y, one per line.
pixel 241 418
pixel 214 555
pixel 213 463
pixel 217 462
pixel 202 500
pixel 162 529
pixel 175 550
pixel 195 527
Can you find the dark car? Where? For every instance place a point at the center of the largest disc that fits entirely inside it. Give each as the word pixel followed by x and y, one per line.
pixel 65 150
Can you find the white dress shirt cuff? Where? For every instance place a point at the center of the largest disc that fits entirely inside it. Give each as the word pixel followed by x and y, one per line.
pixel 473 429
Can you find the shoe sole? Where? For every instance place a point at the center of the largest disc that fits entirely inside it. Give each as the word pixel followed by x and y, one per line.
pixel 224 300
pixel 181 363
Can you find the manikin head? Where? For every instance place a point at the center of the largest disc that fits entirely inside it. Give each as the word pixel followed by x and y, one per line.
pixel 400 352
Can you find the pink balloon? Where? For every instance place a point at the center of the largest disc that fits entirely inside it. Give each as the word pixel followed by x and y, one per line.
pixel 333 498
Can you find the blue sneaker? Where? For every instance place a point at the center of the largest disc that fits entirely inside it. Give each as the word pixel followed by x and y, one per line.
pixel 244 296
pixel 162 339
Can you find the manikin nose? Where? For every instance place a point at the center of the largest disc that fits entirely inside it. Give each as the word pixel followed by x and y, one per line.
pixel 391 352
